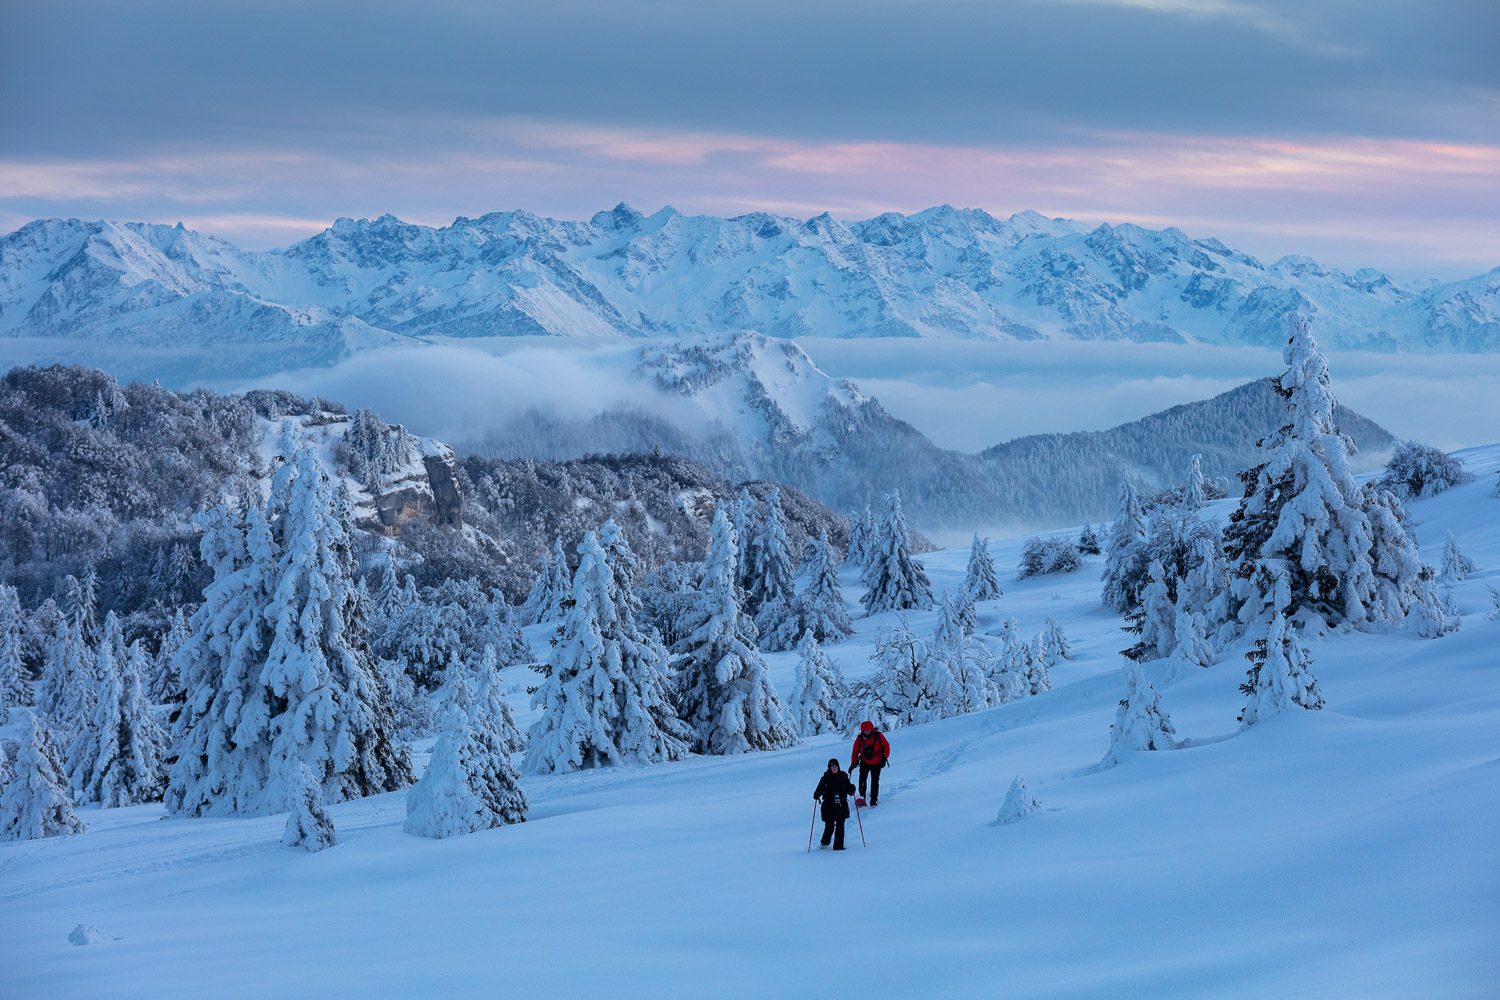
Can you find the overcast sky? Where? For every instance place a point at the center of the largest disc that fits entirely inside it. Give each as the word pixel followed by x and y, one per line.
pixel 1361 132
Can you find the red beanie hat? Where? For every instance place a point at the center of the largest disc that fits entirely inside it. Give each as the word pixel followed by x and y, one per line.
pixel 867 726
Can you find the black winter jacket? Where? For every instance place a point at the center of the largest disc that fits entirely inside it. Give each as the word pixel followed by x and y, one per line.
pixel 834 790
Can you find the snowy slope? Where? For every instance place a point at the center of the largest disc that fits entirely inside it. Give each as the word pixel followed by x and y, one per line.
pixel 1342 853
pixel 940 273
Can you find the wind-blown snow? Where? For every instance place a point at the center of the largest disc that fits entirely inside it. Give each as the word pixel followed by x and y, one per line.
pixel 1348 852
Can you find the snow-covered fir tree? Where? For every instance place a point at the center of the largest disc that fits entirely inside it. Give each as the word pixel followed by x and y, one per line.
pixel 1416 471
pixel 1432 613
pixel 1393 556
pixel 308 823
pixel 34 803
pixel 117 759
pixel 1192 649
pixel 1019 802
pixel 1057 639
pixel 1127 561
pixel 1088 541
pixel 388 596
pixel 967 658
pixel 724 692
pixel 819 692
pixel 94 703
pixel 1140 723
pixel 1456 566
pixel 819 609
pixel 980 581
pixel 1038 665
pixel 1300 543
pixel 1011 667
pixel 15 682
pixel 165 685
pixel 1192 492
pixel 896 581
pixel 277 671
pixel 470 784
pixel 770 577
pixel 83 603
pixel 858 552
pixel 334 716
pixel 503 623
pixel 553 586
pixel 909 684
pixel 1280 676
pixel 1158 617
pixel 605 700
pixel 61 691
pixel 743 517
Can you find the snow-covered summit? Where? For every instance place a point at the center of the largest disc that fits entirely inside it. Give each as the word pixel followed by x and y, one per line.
pixel 943 272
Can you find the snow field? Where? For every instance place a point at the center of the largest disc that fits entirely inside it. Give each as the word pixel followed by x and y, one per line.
pixel 1344 853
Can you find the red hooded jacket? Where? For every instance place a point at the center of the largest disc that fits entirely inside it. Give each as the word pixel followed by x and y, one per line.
pixel 870 748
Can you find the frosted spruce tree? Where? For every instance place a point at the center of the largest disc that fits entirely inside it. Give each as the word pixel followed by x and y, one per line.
pixel 308 823
pixel 164 685
pixel 94 701
pixel 1010 669
pixel 34 803
pixel 980 582
pixel 1456 566
pixel 1280 676
pixel 388 597
pixel 1057 640
pixel 1393 556
pixel 1128 558
pixel 605 700
pixel 15 683
pixel 119 760
pixel 1019 802
pixel 276 668
pixel 1300 543
pixel 1192 492
pixel 770 576
pixel 909 685
pixel 334 716
pixel 1088 541
pixel 553 586
pixel 724 692
pixel 967 658
pixel 819 692
pixel 1158 617
pixel 1140 723
pixel 1038 665
pixel 1192 650
pixel 819 609
pixel 896 581
pixel 742 518
pixel 470 784
pixel 1433 613
pixel 858 552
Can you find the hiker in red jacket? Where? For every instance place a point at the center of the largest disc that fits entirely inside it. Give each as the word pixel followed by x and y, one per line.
pixel 871 751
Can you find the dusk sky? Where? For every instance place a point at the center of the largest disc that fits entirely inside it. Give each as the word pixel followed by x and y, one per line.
pixel 1361 133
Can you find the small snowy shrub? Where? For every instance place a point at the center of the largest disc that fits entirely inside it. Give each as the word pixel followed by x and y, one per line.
pixel 1417 470
pixel 1019 802
pixel 1140 723
pixel 1048 555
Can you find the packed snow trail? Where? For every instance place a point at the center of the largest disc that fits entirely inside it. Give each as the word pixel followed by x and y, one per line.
pixel 1341 853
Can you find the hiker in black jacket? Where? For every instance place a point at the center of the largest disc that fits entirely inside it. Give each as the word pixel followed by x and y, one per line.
pixel 834 789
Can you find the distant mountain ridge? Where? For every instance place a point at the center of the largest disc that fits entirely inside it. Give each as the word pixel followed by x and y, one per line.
pixel 167 301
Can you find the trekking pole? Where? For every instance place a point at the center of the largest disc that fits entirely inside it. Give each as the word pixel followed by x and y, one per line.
pixel 862 841
pixel 813 826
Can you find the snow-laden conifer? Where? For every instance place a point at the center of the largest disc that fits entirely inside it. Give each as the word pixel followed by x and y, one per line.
pixel 858 552
pixel 1394 558
pixel 470 784
pixel 388 596
pixel 605 700
pixel 1011 667
pixel 819 609
pixel 724 692
pixel 980 581
pixel 1057 639
pixel 1456 566
pixel 910 685
pixel 1192 492
pixel 553 586
pixel 1088 541
pixel 1433 613
pixel 770 577
pixel 34 803
pixel 1019 802
pixel 1127 560
pixel 1158 616
pixel 118 756
pixel 1302 522
pixel 1038 665
pixel 896 581
pixel 1192 649
pixel 1140 723
pixel 164 685
pixel 968 660
pixel 15 684
pixel 1280 675
pixel 742 518
pixel 308 823
pixel 819 692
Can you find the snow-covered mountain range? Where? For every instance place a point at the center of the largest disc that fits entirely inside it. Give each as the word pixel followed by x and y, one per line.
pixel 194 306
